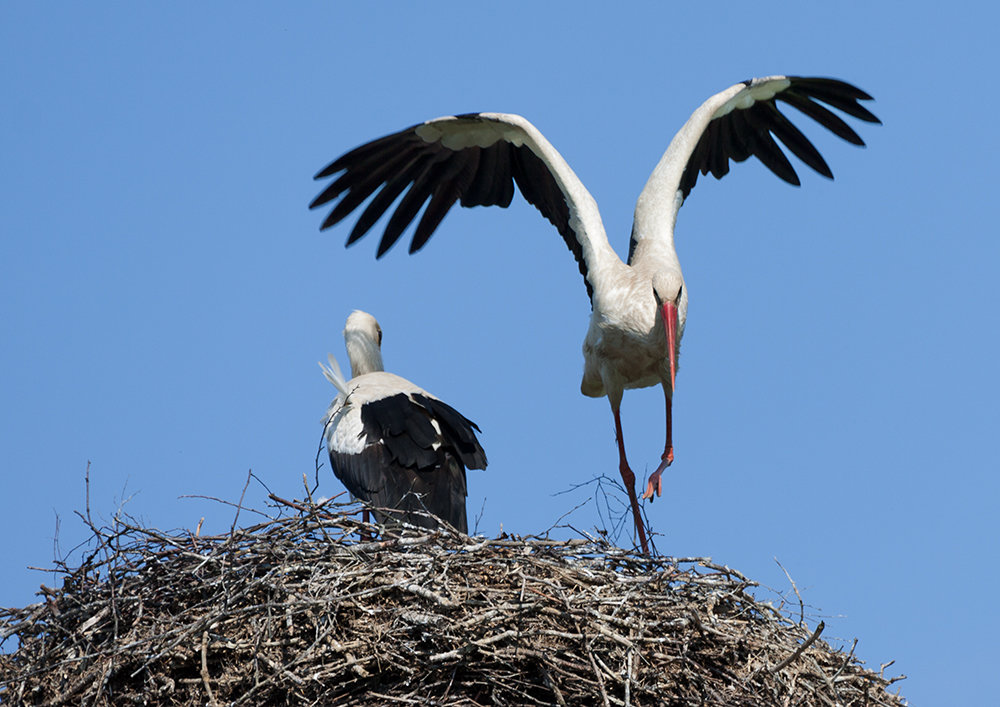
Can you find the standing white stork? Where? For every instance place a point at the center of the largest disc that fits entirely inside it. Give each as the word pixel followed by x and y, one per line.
pixel 639 307
pixel 395 445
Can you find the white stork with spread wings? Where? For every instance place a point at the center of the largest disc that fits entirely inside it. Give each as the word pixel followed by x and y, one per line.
pixel 392 444
pixel 639 307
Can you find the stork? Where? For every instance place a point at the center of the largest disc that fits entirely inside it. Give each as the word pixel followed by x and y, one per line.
pixel 393 444
pixel 639 307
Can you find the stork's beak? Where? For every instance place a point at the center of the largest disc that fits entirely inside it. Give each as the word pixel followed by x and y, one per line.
pixel 670 324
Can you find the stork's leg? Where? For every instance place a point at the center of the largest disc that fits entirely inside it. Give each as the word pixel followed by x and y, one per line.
pixel 668 448
pixel 628 478
pixel 365 537
pixel 654 485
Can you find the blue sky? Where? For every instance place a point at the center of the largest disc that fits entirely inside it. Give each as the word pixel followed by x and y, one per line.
pixel 166 293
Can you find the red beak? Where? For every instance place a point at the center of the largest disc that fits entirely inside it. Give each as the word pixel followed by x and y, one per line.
pixel 670 324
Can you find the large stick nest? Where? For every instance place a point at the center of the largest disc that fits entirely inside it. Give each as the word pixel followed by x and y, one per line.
pixel 298 610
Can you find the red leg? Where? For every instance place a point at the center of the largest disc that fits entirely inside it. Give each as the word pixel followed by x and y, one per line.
pixel 654 485
pixel 628 478
pixel 364 519
pixel 668 449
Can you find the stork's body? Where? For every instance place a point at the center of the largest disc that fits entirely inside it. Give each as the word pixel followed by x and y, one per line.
pixel 393 444
pixel 639 308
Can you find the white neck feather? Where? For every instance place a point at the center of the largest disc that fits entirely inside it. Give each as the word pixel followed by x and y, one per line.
pixel 362 335
pixel 363 353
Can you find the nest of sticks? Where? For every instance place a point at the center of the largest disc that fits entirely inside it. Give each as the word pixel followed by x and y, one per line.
pixel 301 609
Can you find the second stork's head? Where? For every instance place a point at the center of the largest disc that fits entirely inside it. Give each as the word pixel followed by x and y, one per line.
pixel 363 338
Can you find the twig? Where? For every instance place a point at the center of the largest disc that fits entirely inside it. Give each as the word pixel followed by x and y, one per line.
pixel 847 659
pixel 802 606
pixel 225 503
pixel 479 517
pixel 205 678
pixel 551 684
pixel 239 504
pixel 319 452
pixel 798 651
pixel 86 481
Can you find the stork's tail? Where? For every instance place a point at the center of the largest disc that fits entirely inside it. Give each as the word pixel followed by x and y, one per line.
pixel 334 375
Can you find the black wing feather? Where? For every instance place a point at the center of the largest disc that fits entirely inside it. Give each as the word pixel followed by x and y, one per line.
pixel 724 142
pixel 540 190
pixel 822 115
pixel 446 190
pixel 378 206
pixel 471 176
pixel 736 143
pixel 359 154
pixel 483 182
pixel 504 179
pixel 766 149
pixel 412 201
pixel 792 138
pixel 842 96
pixel 742 132
pixel 362 184
pixel 458 430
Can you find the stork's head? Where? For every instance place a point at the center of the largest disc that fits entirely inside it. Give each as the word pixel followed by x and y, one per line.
pixel 671 303
pixel 363 337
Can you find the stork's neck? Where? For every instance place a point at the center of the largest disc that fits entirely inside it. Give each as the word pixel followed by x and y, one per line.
pixel 363 353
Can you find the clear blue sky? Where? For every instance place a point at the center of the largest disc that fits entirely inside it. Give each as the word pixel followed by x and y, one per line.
pixel 166 293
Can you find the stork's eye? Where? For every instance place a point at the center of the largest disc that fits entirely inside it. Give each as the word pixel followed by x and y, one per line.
pixel 679 293
pixel 379 330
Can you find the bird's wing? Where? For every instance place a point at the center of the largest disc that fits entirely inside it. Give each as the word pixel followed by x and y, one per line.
pixel 473 159
pixel 417 428
pixel 744 120
pixel 406 451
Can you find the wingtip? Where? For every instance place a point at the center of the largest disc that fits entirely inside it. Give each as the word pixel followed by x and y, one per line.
pixel 383 247
pixel 330 170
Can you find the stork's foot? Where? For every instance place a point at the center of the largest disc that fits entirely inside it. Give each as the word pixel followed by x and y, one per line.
pixel 655 483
